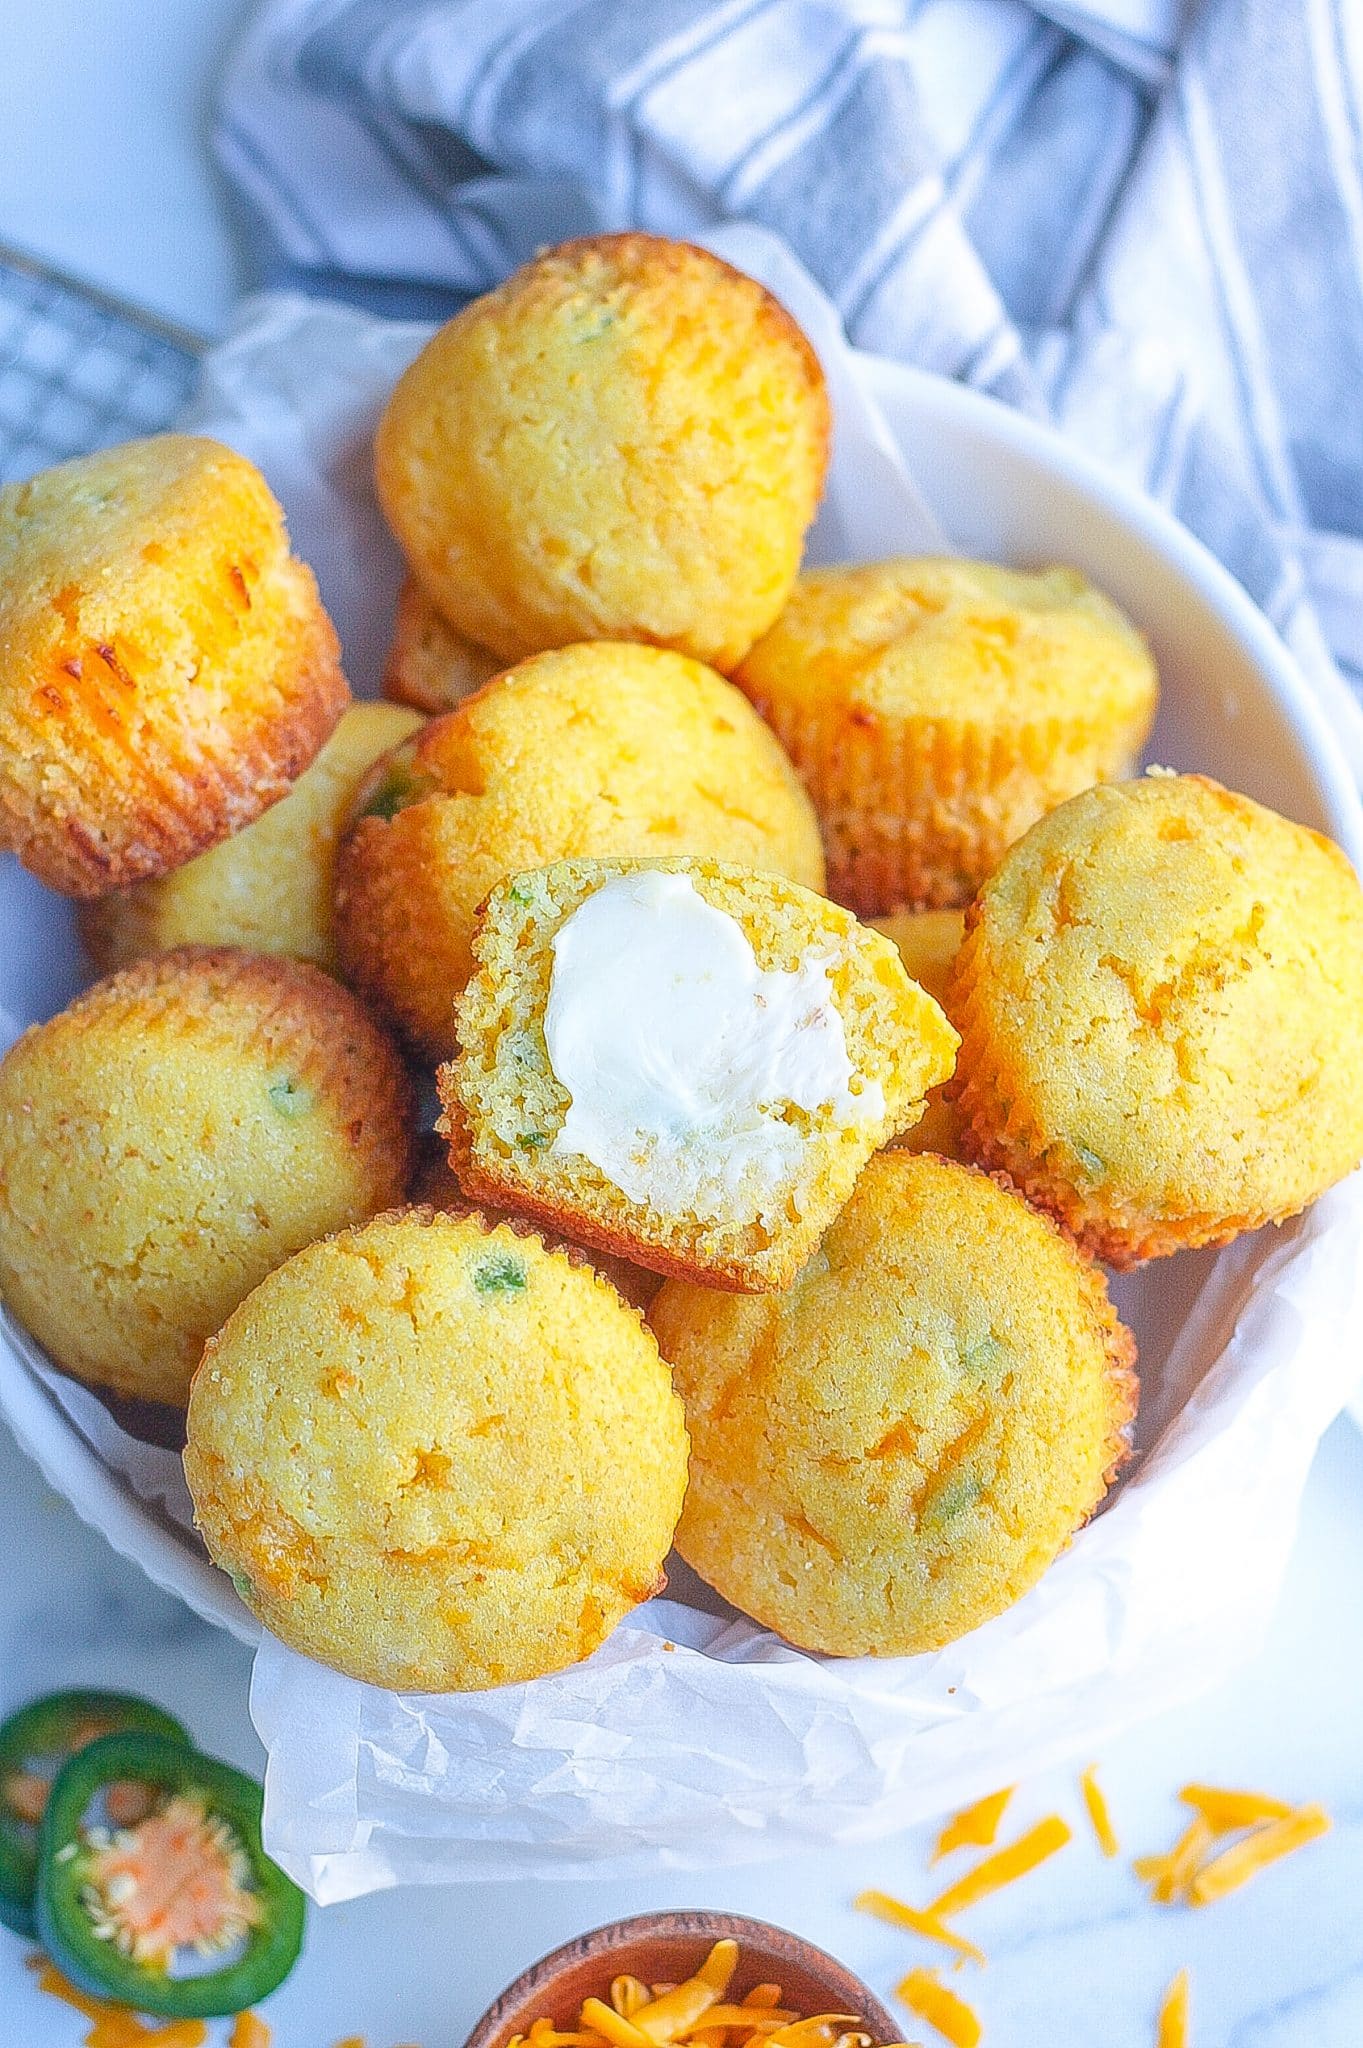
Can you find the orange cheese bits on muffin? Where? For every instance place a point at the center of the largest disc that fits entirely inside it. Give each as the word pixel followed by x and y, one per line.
pixel 895 1449
pixel 166 667
pixel 430 666
pixel 437 1455
pixel 682 1062
pixel 605 748
pixel 1160 997
pixel 935 708
pixel 177 1131
pixel 268 888
pixel 625 441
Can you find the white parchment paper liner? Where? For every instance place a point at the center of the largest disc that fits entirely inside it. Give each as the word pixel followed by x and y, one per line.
pixel 694 1737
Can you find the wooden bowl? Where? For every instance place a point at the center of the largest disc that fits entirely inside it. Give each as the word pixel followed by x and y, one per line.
pixel 665 1948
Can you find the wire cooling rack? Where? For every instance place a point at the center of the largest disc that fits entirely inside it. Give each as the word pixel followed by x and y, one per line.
pixel 79 369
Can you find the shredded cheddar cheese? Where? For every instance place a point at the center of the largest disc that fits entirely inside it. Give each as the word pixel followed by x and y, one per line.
pixel 1004 1867
pixel 930 1999
pixel 113 2026
pixel 1096 1806
pixel 249 2031
pixel 699 2013
pixel 1169 1876
pixel 884 1907
pixel 974 1827
pixel 1224 1811
pixel 1173 2015
pixel 1255 1851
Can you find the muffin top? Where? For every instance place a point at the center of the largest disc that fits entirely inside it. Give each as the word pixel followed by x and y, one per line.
pixel 166 667
pixel 179 1129
pixel 625 440
pixel 437 1455
pixel 604 748
pixel 943 638
pixel 894 1450
pixel 1160 995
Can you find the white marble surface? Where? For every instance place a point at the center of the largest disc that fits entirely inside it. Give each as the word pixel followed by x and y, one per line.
pixel 103 170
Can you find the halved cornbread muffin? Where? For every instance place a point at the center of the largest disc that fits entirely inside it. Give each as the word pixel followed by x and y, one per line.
pixel 682 1062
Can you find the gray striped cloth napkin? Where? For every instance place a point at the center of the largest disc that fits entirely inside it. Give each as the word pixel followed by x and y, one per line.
pixel 1140 218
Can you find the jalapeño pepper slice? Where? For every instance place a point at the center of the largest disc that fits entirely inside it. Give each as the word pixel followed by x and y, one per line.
pixel 34 1744
pixel 176 1909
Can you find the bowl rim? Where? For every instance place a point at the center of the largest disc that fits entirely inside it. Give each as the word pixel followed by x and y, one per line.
pixel 159 1547
pixel 705 1925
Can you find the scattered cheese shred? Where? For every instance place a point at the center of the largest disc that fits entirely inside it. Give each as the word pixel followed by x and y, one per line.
pixel 1173 2015
pixel 1254 1852
pixel 1100 1816
pixel 1004 1867
pixel 884 1907
pixel 1223 1810
pixel 1169 1876
pixel 351 2041
pixel 930 1999
pixel 974 1827
pixel 249 2030
pixel 113 2025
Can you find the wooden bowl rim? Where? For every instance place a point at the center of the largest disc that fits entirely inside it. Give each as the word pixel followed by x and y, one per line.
pixel 699 1924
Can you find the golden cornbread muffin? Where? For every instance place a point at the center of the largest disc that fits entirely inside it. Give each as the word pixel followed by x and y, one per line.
pixel 166 667
pixel 435 1187
pixel 606 748
pixel 1160 997
pixel 430 666
pixel 928 942
pixel 177 1131
pixel 268 888
pixel 682 1062
pixel 625 441
pixel 937 707
pixel 895 1450
pixel 436 1455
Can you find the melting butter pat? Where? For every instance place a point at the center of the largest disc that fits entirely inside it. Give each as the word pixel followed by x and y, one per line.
pixel 683 1057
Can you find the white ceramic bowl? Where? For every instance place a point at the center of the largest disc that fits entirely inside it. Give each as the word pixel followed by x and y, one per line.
pixel 1234 705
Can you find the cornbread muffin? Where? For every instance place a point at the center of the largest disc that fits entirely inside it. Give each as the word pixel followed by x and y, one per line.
pixel 1161 1001
pixel 895 1450
pixel 625 441
pixel 682 1062
pixel 600 749
pixel 166 667
pixel 268 888
pixel 435 1187
pixel 928 942
pixel 180 1129
pixel 936 708
pixel 436 1455
pixel 430 666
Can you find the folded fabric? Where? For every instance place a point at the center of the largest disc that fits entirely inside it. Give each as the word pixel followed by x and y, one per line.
pixel 1143 217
